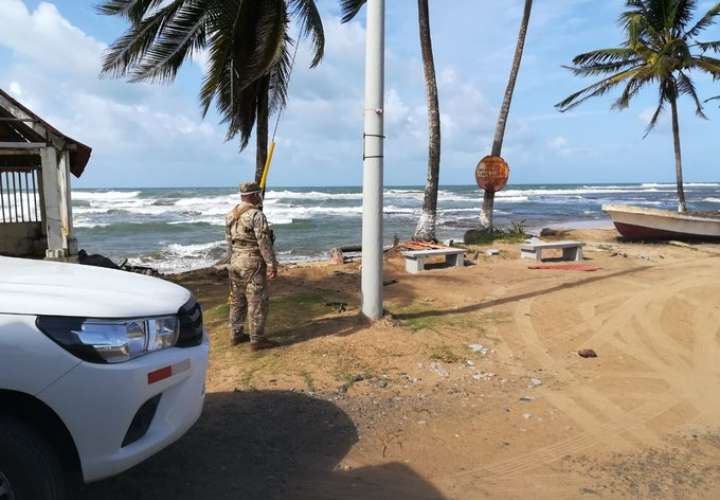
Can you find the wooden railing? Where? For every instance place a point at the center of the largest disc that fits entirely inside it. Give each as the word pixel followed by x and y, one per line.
pixel 20 195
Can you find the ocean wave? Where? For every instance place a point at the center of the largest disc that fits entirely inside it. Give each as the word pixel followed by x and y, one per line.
pixel 104 195
pixel 511 199
pixel 176 258
pixel 711 200
pixel 672 186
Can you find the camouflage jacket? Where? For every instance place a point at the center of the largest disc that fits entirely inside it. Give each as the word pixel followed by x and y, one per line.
pixel 247 232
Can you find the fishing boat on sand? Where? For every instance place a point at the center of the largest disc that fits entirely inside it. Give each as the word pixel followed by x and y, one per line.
pixel 639 223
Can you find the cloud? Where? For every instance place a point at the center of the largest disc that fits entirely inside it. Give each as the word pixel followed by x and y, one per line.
pixel 140 133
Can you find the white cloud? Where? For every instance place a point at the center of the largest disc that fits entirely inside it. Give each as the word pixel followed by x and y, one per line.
pixel 45 37
pixel 139 132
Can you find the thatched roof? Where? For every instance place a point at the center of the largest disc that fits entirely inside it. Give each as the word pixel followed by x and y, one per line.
pixel 33 129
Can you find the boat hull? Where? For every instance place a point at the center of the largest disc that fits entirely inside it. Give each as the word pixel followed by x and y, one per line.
pixel 637 223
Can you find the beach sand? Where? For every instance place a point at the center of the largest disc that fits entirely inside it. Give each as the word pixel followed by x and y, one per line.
pixel 405 409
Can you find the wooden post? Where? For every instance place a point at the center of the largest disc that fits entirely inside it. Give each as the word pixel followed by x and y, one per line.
pixel 65 204
pixel 51 194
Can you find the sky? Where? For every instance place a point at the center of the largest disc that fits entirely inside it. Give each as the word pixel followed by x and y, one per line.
pixel 150 135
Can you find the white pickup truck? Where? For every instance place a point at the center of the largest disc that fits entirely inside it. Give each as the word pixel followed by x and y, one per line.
pixel 99 370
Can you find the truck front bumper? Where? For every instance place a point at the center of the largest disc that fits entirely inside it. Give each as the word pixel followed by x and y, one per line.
pixel 99 402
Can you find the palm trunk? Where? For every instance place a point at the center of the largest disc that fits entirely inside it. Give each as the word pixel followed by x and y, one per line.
pixel 425 230
pixel 486 216
pixel 682 204
pixel 262 125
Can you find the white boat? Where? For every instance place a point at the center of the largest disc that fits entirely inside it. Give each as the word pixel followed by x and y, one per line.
pixel 639 223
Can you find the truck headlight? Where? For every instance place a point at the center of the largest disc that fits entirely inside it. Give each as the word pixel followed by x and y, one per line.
pixel 110 341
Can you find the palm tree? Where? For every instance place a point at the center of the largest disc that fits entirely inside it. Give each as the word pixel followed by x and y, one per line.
pixel 426 226
pixel 247 45
pixel 660 47
pixel 486 214
pixel 425 230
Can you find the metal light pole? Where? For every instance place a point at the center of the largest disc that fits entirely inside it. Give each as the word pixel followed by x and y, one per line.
pixel 372 222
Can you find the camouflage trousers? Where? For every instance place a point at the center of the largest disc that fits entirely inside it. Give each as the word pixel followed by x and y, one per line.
pixel 249 295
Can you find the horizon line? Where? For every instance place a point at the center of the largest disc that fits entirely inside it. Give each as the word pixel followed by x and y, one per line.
pixel 306 186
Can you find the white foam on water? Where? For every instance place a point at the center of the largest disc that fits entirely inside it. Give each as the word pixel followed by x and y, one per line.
pixel 711 200
pixel 104 195
pixel 686 184
pixel 511 199
pixel 177 258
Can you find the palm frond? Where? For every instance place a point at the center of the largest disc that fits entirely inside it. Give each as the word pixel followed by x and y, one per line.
pixel 182 35
pixel 709 65
pixel 712 46
pixel 130 48
pixel 350 9
pixel 600 69
pixel 270 32
pixel 601 56
pixel 705 22
pixel 636 83
pixel 280 79
pixel 687 87
pixel 310 25
pixel 666 91
pixel 680 15
pixel 716 98
pixel 596 89
pixel 133 10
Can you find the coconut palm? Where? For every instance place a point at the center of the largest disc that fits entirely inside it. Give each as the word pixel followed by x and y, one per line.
pixel 486 214
pixel 247 44
pixel 661 48
pixel 425 230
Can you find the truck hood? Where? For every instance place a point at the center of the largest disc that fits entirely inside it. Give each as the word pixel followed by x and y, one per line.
pixel 58 289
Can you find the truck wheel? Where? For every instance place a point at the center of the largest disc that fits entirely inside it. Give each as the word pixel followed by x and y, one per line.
pixel 29 467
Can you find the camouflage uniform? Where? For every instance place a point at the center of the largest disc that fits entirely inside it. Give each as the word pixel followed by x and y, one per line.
pixel 248 235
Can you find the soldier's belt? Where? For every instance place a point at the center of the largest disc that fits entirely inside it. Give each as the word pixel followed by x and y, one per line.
pixel 245 249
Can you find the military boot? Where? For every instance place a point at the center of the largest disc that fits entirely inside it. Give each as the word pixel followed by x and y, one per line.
pixel 238 337
pixel 261 344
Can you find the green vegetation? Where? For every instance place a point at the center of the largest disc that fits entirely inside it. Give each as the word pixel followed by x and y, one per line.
pixel 309 382
pixel 660 48
pixel 444 354
pixel 515 233
pixel 426 317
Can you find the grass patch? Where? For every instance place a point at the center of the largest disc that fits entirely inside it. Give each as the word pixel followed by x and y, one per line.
pixel 287 311
pixel 217 313
pixel 350 379
pixel 309 382
pixel 444 354
pixel 419 317
pixel 515 233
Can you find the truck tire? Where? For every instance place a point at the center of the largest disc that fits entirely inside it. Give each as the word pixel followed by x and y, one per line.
pixel 29 466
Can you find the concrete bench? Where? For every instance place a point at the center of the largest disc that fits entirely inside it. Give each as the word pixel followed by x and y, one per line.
pixel 572 250
pixel 415 260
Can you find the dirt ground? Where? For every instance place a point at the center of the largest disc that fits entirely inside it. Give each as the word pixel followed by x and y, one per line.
pixel 470 389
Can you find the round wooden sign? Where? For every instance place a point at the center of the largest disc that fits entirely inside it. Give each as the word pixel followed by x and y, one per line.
pixel 492 173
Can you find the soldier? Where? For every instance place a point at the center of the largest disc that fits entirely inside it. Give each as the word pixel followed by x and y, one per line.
pixel 252 262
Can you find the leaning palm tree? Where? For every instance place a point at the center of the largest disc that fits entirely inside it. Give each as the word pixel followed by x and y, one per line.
pixel 661 48
pixel 427 224
pixel 247 45
pixel 486 214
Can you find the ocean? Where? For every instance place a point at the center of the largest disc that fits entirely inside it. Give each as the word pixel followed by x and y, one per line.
pixel 179 229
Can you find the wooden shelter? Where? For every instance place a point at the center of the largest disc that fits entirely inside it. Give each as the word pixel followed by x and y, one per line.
pixel 36 161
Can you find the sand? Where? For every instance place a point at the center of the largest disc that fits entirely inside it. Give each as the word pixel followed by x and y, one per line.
pixel 405 408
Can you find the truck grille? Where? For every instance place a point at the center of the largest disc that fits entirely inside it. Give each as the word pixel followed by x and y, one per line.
pixel 191 324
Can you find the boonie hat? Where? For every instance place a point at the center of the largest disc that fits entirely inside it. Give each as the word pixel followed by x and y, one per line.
pixel 249 188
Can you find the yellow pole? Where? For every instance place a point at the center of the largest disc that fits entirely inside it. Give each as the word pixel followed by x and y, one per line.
pixel 266 169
